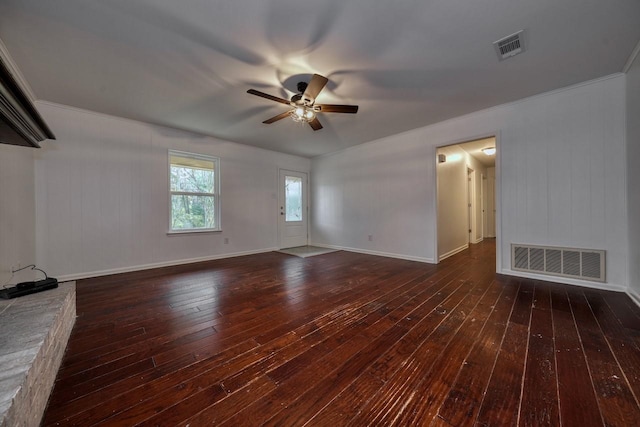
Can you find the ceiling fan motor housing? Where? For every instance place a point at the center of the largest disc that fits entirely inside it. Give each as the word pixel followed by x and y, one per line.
pixel 299 99
pixel 302 86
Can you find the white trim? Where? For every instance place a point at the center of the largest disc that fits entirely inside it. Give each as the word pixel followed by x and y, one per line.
pixel 632 58
pixel 497 191
pixel 635 297
pixel 193 231
pixel 453 252
pixel 15 71
pixel 565 280
pixel 376 253
pixel 497 194
pixel 215 195
pixel 90 274
pixel 306 200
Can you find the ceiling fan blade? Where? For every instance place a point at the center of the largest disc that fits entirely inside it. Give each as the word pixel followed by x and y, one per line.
pixel 315 124
pixel 278 117
pixel 314 87
pixel 331 108
pixel 266 95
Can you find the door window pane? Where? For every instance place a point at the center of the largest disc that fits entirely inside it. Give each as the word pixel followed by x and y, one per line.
pixel 293 198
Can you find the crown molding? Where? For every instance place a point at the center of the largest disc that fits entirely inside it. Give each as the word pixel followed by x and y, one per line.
pixel 632 58
pixel 11 65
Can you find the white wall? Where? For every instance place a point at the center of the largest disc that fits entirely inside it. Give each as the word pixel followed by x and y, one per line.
pixel 17 212
pixel 453 200
pixel 102 195
pixel 561 179
pixel 633 177
pixel 377 189
pixel 479 170
pixel 453 211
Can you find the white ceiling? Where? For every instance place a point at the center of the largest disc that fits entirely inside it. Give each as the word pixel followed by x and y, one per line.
pixel 474 148
pixel 409 63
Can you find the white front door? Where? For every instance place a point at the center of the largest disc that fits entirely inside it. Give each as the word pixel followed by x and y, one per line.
pixel 292 215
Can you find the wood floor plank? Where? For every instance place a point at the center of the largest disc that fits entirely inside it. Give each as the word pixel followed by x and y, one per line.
pixel 268 406
pixel 577 398
pixel 323 392
pixel 617 403
pixel 181 350
pixel 341 348
pixel 435 386
pixel 461 405
pixel 75 411
pixel 226 408
pixel 346 339
pixel 387 364
pixel 621 340
pixel 626 311
pixel 435 381
pixel 501 402
pixel 539 405
pixel 390 404
pixel 153 399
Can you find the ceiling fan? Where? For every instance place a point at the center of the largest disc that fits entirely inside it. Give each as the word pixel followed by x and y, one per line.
pixel 303 106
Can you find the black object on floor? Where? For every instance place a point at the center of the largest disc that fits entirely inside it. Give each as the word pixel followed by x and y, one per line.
pixel 26 288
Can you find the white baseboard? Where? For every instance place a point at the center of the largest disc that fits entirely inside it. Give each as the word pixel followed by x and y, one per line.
pixel 635 297
pixel 566 281
pixel 602 286
pixel 377 253
pixel 89 274
pixel 453 252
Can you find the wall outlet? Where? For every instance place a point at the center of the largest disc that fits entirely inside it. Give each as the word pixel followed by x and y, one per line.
pixel 370 237
pixel 226 240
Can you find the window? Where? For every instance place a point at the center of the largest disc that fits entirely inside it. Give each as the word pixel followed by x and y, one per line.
pixel 194 182
pixel 293 198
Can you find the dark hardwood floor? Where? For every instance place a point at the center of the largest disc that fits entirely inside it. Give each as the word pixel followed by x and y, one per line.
pixel 347 339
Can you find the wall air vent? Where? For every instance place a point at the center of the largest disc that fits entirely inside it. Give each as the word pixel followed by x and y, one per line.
pixel 510 46
pixel 586 264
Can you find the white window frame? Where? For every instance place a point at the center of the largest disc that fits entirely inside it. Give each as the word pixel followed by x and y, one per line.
pixel 215 194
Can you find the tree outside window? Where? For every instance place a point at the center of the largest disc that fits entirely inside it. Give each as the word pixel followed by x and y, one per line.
pixel 194 180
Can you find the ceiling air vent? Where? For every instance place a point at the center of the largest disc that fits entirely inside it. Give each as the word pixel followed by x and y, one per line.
pixel 510 46
pixel 586 264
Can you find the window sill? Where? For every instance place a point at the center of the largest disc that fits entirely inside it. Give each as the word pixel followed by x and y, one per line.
pixel 182 232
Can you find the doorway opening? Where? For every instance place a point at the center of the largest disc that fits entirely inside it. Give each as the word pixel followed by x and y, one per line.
pixel 466 203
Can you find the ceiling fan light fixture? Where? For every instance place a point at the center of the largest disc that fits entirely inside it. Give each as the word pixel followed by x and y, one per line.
pixel 303 114
pixel 309 115
pixel 489 151
pixel 302 106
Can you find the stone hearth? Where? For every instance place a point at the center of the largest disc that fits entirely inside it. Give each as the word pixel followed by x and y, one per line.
pixel 34 331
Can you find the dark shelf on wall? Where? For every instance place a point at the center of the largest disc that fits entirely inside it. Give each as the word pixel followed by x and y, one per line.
pixel 20 122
